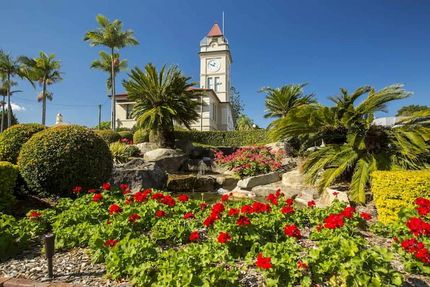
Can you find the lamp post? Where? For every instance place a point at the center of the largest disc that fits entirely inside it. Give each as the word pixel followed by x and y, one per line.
pixel 50 250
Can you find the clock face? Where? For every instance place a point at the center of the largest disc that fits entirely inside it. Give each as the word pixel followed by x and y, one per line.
pixel 214 65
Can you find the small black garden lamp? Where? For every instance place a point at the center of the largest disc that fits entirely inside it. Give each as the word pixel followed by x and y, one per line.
pixel 50 250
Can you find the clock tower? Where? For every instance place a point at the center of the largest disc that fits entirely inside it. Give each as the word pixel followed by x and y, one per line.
pixel 215 61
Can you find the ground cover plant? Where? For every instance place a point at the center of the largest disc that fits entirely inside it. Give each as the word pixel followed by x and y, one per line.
pixel 153 239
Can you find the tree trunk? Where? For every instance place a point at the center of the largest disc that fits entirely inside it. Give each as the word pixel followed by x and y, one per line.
pixel 165 137
pixel 3 114
pixel 113 113
pixel 9 107
pixel 44 103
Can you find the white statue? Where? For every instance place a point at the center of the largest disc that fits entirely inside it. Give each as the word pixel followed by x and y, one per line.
pixel 59 119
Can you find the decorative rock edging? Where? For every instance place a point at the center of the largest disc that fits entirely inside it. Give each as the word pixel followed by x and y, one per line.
pixel 21 282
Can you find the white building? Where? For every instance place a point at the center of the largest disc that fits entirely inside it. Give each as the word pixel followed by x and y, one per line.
pixel 215 61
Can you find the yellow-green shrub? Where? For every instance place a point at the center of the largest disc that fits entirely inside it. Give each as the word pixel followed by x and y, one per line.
pixel 141 136
pixel 394 190
pixel 8 177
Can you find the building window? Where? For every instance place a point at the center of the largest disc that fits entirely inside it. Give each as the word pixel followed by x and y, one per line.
pixel 210 83
pixel 214 111
pixel 128 110
pixel 217 84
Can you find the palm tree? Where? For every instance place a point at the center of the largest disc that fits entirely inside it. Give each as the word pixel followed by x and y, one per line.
pixel 111 35
pixel 104 63
pixel 361 146
pixel 9 68
pixel 281 100
pixel 244 123
pixel 3 93
pixel 45 70
pixel 162 98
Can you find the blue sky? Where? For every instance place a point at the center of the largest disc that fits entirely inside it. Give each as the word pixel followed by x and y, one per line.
pixel 327 44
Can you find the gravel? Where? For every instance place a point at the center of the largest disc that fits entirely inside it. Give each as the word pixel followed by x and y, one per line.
pixel 73 266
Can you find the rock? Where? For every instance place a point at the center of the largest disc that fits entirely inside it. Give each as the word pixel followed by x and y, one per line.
pixel 199 152
pixel 195 164
pixel 227 182
pixel 167 159
pixel 191 183
pixel 139 175
pixel 276 146
pixel 305 196
pixel 241 193
pixel 184 145
pixel 293 178
pixel 145 147
pixel 250 182
pixel 329 195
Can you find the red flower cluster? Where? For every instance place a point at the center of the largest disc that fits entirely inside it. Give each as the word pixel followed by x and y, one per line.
pixel 292 231
pixel 126 141
pixel 418 227
pixel 188 215
pixel 203 205
pixel 160 213
pixel 183 198
pixel 302 265
pixel 194 236
pixel 311 203
pixel 34 215
pixel 125 189
pixel 106 186
pixel 141 196
pixel 233 212
pixel 365 216
pixel 92 190
pixel 133 217
pixel 111 242
pixel 256 207
pixel 225 197
pixel 289 201
pixel 97 197
pixel 224 237
pixel 417 248
pixel 263 262
pixel 243 220
pixel 287 209
pixel 114 208
pixel 217 209
pixel 273 197
pixel 348 212
pixel 334 221
pixel 77 189
pixel 168 200
pixel 423 206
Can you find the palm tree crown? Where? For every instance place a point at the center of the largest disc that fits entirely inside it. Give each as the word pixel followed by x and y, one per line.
pixel 281 100
pixel 104 63
pixel 162 99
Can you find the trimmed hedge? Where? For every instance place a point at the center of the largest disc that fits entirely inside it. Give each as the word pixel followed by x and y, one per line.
pixel 108 136
pixel 225 138
pixel 12 139
pixel 8 176
pixel 394 190
pixel 141 136
pixel 59 158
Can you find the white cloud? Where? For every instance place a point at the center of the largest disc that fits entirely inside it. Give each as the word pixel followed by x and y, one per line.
pixel 17 108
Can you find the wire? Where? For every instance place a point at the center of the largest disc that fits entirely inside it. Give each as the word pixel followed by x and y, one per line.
pixel 58 105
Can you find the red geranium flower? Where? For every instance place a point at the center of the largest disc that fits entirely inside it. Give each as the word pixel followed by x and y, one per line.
pixel 334 221
pixel 272 198
pixel 348 212
pixel 292 231
pixel 289 201
pixel 183 198
pixel 124 188
pixel 263 262
pixel 418 227
pixel 157 196
pixel 203 205
pixel 243 220
pixel 247 209
pixel 34 214
pixel 160 213
pixel 423 255
pixel 302 265
pixel 133 217
pixel 111 242
pixel 77 189
pixel 335 193
pixel 97 197
pixel 188 215
pixel 259 207
pixel 412 245
pixel 311 203
pixel 210 219
pixel 225 197
pixel 140 196
pixel 114 208
pixel 224 237
pixel 233 212
pixel 93 190
pixel 365 216
pixel 288 209
pixel 218 207
pixel 168 200
pixel 106 186
pixel 194 236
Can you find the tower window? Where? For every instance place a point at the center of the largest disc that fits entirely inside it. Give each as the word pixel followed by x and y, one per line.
pixel 210 83
pixel 128 110
pixel 217 84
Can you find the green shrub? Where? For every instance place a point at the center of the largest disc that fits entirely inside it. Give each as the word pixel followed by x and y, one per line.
pixel 12 139
pixel 225 138
pixel 394 190
pixel 121 152
pixel 141 136
pixel 108 136
pixel 57 159
pixel 8 177
pixel 126 134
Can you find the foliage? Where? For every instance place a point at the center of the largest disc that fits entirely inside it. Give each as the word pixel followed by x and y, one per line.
pixel 236 105
pixel 46 71
pixel 244 123
pixel 162 98
pixel 13 122
pixel 409 110
pixel 56 159
pixel 154 239
pixel 8 176
pixel 280 101
pixel 104 63
pixel 395 190
pixel 126 135
pixel 354 146
pixel 109 136
pixel 104 126
pixel 141 136
pixel 121 152
pixel 12 139
pixel 251 161
pixel 225 138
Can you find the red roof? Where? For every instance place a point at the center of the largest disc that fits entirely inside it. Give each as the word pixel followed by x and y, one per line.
pixel 215 31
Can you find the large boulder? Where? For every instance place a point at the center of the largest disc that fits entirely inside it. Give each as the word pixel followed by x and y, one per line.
pixel 139 175
pixel 197 165
pixel 227 182
pixel 262 179
pixel 184 145
pixel 145 147
pixel 167 159
pixel 330 194
pixel 191 183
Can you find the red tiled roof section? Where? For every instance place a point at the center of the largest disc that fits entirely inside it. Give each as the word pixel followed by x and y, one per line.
pixel 215 31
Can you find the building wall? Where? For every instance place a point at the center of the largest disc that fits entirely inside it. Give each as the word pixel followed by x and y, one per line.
pixel 121 115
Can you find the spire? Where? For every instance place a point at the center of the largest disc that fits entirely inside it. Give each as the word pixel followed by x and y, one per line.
pixel 215 31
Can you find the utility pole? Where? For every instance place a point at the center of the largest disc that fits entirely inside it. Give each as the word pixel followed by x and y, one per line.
pixel 100 115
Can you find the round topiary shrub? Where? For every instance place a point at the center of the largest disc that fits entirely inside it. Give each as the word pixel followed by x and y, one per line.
pixel 60 158
pixel 141 136
pixel 126 134
pixel 8 177
pixel 108 136
pixel 12 139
